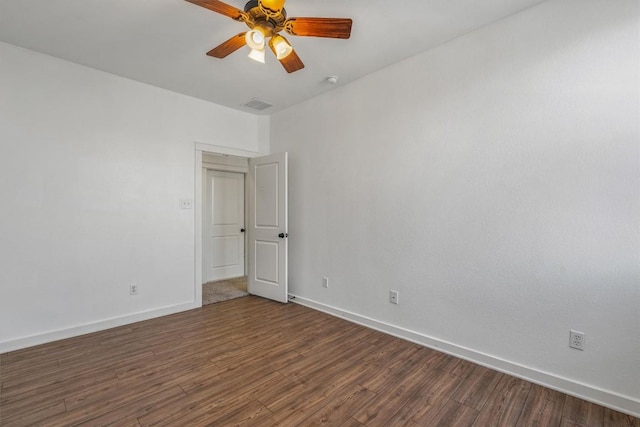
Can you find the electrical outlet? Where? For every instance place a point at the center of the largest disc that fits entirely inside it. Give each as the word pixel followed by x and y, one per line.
pixel 133 289
pixel 576 340
pixel 325 282
pixel 186 204
pixel 393 297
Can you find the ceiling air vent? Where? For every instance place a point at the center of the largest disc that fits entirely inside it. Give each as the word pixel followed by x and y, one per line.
pixel 258 105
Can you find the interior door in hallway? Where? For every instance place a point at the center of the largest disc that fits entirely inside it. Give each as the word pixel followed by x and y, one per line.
pixel 223 225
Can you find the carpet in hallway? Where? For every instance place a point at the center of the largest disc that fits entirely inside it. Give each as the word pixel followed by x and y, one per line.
pixel 223 290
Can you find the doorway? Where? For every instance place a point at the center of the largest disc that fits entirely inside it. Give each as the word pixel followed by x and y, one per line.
pixel 223 228
pixel 266 239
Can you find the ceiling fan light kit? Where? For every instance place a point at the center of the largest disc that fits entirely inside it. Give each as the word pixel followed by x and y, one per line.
pixel 267 18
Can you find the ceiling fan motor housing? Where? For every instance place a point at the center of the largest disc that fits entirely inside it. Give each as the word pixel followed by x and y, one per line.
pixel 271 22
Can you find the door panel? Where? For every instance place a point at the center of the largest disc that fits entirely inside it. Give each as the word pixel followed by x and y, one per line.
pixel 267 268
pixel 268 227
pixel 267 195
pixel 226 199
pixel 224 219
pixel 226 251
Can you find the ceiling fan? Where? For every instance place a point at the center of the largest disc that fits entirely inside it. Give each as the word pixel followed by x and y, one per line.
pixel 266 19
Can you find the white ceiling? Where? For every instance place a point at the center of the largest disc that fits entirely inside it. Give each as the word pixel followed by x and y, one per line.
pixel 163 42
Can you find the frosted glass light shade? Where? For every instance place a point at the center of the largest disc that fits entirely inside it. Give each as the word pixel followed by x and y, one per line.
pixel 281 47
pixel 257 55
pixel 255 39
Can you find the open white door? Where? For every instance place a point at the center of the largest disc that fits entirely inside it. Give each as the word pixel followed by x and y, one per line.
pixel 268 227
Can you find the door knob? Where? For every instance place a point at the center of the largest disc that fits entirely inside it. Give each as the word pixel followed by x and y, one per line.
pixel 283 235
pixel 242 230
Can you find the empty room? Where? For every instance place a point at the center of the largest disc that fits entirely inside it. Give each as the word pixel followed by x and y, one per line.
pixel 341 213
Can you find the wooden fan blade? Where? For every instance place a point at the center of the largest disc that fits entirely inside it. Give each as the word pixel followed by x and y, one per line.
pixel 339 28
pixel 291 62
pixel 228 47
pixel 221 8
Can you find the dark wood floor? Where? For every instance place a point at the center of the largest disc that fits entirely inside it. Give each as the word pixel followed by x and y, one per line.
pixel 253 362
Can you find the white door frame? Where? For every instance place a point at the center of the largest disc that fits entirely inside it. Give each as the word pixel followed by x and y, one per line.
pixel 201 148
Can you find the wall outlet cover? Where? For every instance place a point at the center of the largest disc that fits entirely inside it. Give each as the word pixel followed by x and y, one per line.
pixel 393 297
pixel 576 340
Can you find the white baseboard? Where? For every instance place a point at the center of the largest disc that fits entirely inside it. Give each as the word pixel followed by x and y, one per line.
pixel 88 328
pixel 586 392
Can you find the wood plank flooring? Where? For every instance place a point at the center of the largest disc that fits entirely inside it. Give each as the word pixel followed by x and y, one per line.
pixel 251 361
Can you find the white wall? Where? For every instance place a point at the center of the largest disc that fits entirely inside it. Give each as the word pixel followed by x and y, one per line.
pixel 92 171
pixel 495 183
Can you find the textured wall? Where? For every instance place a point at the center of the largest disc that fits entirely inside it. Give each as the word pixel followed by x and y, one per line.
pixel 92 171
pixel 495 183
